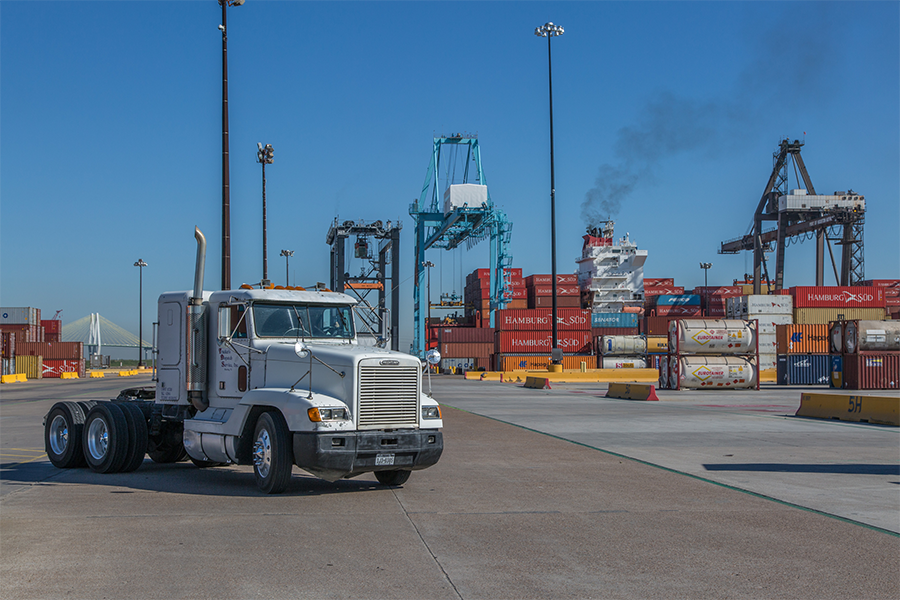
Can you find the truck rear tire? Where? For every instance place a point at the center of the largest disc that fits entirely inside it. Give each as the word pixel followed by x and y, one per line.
pixel 62 435
pixel 272 453
pixel 105 438
pixel 392 477
pixel 137 437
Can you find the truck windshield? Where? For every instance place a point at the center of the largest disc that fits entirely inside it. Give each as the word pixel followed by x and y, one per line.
pixel 301 320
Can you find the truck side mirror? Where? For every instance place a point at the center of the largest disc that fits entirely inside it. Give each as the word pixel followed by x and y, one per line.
pixel 301 350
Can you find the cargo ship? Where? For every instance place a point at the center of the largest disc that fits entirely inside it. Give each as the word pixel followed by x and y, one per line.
pixel 611 274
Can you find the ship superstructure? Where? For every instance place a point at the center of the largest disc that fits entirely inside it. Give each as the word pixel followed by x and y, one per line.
pixel 610 274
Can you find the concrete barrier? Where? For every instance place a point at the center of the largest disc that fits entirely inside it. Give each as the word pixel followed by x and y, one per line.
pixel 68 375
pixel 537 383
pixel 872 409
pixel 14 378
pixel 97 374
pixel 632 391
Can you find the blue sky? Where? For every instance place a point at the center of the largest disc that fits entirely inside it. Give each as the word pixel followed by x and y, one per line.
pixel 110 132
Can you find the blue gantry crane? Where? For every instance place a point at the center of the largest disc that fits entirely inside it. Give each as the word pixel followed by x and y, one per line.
pixel 460 210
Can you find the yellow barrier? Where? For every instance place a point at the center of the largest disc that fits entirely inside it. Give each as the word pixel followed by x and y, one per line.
pixel 537 383
pixel 632 391
pixel 68 375
pixel 872 409
pixel 588 376
pixel 768 376
pixel 97 374
pixel 15 378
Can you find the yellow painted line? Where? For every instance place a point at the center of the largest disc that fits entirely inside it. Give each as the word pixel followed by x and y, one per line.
pixel 22 462
pixel 26 449
pixel 873 409
pixel 632 391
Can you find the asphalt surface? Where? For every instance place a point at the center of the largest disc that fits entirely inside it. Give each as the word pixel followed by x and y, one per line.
pixel 508 512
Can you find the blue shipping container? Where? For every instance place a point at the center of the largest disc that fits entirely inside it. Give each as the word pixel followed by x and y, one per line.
pixel 837 371
pixel 614 320
pixel 681 300
pixel 804 369
pixel 653 361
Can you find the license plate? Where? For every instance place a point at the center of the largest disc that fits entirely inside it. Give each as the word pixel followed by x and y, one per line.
pixel 384 460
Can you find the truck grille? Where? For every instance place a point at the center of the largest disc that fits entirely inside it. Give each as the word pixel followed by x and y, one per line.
pixel 388 397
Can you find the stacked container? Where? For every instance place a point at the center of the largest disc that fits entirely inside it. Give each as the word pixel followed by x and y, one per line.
pixel 672 305
pixel 618 323
pixel 891 289
pixel 711 354
pixel 622 351
pixel 525 337
pixel 25 322
pixel 820 305
pixel 52 330
pixel 868 352
pixel 477 293
pixel 56 357
pixel 713 300
pixel 803 356
pixel 465 348
pixel 539 290
pixel 769 311
pixel 7 353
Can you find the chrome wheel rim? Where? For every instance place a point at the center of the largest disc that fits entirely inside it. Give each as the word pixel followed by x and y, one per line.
pixel 98 439
pixel 59 435
pixel 262 453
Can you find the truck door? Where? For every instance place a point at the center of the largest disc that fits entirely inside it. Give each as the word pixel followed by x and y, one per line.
pixel 230 375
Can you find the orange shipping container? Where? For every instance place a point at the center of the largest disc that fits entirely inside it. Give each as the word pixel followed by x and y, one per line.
pixel 801 339
pixel 534 362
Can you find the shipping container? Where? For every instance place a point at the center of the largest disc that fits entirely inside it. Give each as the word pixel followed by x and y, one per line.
pixel 836 337
pixel 521 304
pixel 702 336
pixel 747 289
pixel 547 290
pixel 837 297
pixel 622 362
pixel 745 306
pixel 466 349
pixel 713 372
pixel 837 371
pixel 53 367
pixel 614 320
pixel 654 360
pixel 465 334
pixel 803 369
pixel 885 283
pixel 871 371
pixel 52 326
pixel 516 342
pixel 7 366
pixel 622 345
pixel 14 315
pixel 543 280
pixel 601 331
pixel 656 282
pixel 801 339
pixel 540 362
pixel 456 365
pixel 30 365
pixel 547 302
pixel 656 325
pixel 675 311
pixel 724 291
pixel 670 290
pixel 8 344
pixel 574 319
pixel 768 361
pixel 670 300
pixel 823 316
pixel 484 293
pixel 769 323
pixel 59 350
pixel 657 344
pixel 768 343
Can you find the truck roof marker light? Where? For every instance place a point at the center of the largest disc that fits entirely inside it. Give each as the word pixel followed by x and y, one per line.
pixel 280 287
pixel 244 286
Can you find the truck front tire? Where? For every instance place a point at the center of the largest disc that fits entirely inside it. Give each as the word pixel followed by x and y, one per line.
pixel 392 477
pixel 272 453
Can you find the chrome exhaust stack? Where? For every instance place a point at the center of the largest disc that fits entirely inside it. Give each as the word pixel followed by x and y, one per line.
pixel 195 373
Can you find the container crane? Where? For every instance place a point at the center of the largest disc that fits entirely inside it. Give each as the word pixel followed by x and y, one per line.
pixel 467 215
pixel 802 212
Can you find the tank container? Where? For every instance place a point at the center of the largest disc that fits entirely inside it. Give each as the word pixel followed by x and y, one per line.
pixel 701 336
pixel 611 345
pixel 871 336
pixel 714 372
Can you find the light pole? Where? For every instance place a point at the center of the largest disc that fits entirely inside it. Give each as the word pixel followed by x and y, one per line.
pixel 549 31
pixel 428 264
pixel 265 156
pixel 287 254
pixel 140 264
pixel 226 192
pixel 706 267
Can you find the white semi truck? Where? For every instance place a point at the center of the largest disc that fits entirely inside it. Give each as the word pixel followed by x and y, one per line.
pixel 272 378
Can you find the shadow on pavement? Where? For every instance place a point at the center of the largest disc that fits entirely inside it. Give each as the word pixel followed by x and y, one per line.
pixel 857 469
pixel 178 478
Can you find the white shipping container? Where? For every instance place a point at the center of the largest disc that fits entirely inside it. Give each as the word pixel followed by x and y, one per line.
pixel 623 362
pixel 768 305
pixel 767 342
pixel 821 202
pixel 457 364
pixel 460 195
pixel 18 316
pixel 767 361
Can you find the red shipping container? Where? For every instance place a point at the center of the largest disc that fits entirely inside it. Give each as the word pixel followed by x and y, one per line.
pixel 717 312
pixel 652 282
pixel 541 280
pixel 677 311
pixel 668 290
pixel 52 327
pixel 8 344
pixel 838 297
pixel 60 350
pixel 511 342
pixel 871 371
pixel 656 325
pixel 885 283
pixel 515 282
pixel 452 335
pixel 570 319
pixel 53 367
pixel 561 290
pixel 516 293
pixel 561 302
pixel 725 291
pixel 466 349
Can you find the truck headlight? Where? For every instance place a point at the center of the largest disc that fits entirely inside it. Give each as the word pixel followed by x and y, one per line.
pixel 431 412
pixel 317 415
